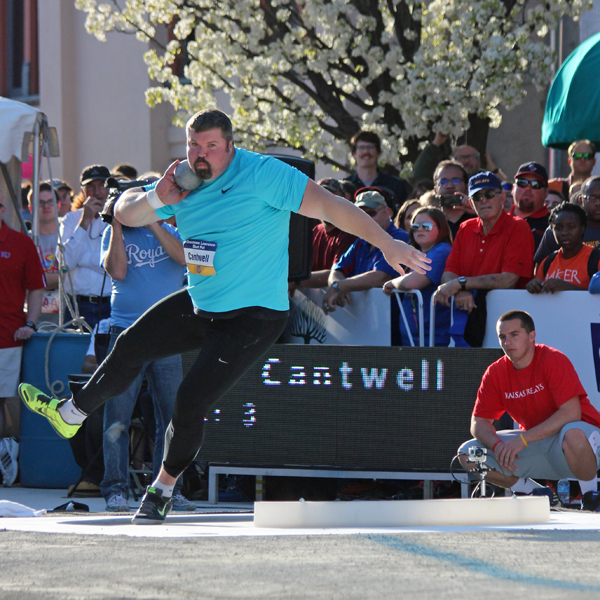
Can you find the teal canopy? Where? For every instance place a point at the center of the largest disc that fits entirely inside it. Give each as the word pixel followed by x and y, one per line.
pixel 573 103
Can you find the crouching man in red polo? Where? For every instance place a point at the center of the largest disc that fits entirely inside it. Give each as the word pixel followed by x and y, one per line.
pixel 559 429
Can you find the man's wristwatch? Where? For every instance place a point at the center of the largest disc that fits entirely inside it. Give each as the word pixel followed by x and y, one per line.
pixel 31 324
pixel 463 283
pixel 336 286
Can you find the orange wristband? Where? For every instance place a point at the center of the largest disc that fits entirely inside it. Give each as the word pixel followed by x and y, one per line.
pixel 524 440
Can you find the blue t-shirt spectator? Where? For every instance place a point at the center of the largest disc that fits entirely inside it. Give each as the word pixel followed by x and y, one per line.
pixel 151 274
pixel 361 258
pixel 438 255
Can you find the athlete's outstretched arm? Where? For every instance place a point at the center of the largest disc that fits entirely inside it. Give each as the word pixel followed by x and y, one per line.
pixel 318 203
pixel 135 207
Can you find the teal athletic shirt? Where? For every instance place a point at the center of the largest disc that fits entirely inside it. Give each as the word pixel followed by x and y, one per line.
pixel 237 227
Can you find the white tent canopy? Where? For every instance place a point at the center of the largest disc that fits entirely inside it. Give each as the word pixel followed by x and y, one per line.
pixel 17 121
pixel 24 131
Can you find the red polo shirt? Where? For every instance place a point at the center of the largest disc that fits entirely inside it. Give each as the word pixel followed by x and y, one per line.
pixel 328 247
pixel 507 248
pixel 20 270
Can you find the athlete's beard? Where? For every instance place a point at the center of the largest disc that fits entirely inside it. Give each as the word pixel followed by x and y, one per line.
pixel 205 173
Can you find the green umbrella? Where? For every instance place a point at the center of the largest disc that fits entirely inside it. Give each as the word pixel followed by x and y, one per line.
pixel 573 103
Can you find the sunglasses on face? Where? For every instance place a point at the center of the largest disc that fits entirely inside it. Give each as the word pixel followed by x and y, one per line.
pixel 446 181
pixel 535 184
pixel 487 194
pixel 584 155
pixel 46 202
pixel 426 226
pixel 370 211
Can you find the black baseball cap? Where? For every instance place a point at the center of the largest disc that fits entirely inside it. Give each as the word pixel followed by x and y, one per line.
pixel 533 168
pixel 93 173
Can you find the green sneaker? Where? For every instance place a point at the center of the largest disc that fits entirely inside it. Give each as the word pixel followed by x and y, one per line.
pixel 43 405
pixel 154 508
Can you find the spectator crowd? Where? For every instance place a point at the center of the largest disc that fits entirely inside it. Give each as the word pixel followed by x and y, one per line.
pixel 481 230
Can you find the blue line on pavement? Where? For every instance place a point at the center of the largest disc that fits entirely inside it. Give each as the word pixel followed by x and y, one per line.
pixel 478 566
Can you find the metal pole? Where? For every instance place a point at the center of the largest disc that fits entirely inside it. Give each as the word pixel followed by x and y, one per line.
pixel 35 199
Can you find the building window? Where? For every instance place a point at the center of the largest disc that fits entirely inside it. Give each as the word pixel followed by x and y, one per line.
pixel 19 64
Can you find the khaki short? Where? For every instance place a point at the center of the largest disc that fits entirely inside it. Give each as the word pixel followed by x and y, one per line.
pixel 540 460
pixel 10 371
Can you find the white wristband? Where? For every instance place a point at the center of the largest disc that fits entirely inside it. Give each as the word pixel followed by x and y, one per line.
pixel 153 199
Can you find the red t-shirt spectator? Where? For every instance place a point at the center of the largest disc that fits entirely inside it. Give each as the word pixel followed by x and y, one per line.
pixel 533 394
pixel 572 270
pixel 20 270
pixel 327 248
pixel 507 248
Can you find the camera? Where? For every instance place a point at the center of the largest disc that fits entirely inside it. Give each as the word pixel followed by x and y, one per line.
pixel 450 200
pixel 116 188
pixel 477 455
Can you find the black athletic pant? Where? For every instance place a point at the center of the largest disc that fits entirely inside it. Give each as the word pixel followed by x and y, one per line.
pixel 228 348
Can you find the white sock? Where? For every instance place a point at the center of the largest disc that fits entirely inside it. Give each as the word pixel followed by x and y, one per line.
pixel 588 486
pixel 525 485
pixel 71 414
pixel 167 490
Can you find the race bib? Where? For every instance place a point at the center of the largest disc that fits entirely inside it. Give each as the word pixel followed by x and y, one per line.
pixel 200 257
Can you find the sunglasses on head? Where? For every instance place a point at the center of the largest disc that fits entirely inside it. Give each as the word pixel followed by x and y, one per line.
pixel 535 184
pixel 426 226
pixel 487 194
pixel 454 180
pixel 585 155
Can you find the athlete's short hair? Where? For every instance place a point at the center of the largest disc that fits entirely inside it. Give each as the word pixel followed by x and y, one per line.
pixel 525 318
pixel 208 119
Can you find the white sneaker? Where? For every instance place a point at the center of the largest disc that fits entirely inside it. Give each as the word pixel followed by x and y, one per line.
pixel 9 467
pixel 181 503
pixel 117 503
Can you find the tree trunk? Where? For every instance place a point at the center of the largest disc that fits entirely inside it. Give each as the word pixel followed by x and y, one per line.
pixel 477 134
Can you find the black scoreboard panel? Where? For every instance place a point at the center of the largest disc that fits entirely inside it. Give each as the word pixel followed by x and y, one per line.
pixel 348 407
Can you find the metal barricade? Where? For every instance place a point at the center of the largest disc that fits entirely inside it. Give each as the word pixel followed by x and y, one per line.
pixel 419 296
pixel 432 321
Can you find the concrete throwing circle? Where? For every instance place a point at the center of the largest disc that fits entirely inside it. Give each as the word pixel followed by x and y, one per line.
pixel 403 513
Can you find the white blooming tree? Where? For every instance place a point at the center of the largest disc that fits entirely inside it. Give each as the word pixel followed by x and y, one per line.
pixel 309 74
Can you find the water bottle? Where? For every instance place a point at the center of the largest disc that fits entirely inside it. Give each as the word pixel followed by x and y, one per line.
pixel 563 491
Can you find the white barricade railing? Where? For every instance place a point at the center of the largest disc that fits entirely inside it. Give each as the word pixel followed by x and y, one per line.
pixel 432 320
pixel 417 293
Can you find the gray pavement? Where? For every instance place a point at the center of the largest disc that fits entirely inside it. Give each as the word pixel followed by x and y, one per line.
pixel 479 564
pixel 217 553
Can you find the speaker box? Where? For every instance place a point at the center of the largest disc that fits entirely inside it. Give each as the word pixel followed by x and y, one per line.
pixel 300 249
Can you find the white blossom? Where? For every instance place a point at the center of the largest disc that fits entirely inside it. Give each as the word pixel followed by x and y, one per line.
pixel 309 74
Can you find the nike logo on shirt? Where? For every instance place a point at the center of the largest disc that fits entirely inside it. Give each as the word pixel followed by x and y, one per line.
pixel 223 191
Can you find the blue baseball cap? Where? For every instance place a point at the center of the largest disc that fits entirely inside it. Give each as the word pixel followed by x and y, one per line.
pixel 485 180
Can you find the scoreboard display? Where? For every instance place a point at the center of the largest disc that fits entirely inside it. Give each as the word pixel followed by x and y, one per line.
pixel 348 407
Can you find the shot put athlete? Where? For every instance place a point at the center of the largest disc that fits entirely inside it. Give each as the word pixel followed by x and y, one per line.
pixel 235 230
